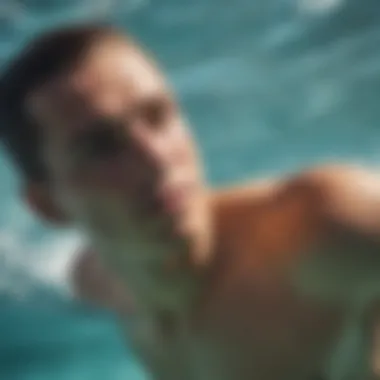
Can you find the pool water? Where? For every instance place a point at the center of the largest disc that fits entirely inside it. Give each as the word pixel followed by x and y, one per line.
pixel 269 86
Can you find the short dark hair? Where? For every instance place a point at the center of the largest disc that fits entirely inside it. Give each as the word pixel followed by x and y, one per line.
pixel 48 55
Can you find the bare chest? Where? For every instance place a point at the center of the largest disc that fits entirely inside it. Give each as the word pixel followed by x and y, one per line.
pixel 263 331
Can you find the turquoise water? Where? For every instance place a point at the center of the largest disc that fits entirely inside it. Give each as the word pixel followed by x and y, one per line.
pixel 269 85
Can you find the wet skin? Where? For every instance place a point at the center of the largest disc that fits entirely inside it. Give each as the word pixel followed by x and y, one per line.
pixel 257 281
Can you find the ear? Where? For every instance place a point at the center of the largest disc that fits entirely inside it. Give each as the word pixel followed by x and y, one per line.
pixel 41 202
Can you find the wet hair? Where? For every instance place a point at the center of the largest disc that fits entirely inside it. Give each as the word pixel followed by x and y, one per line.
pixel 48 55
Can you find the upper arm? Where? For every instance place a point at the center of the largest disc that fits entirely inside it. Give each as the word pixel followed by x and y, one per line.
pixel 348 264
pixel 351 197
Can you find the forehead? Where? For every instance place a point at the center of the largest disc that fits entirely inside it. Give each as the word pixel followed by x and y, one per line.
pixel 112 78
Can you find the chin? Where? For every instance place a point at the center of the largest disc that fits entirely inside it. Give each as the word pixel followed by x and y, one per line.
pixel 193 224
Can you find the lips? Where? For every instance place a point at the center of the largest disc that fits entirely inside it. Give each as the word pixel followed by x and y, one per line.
pixel 168 200
pixel 172 200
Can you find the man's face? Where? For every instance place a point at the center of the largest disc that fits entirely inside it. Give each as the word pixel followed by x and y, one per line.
pixel 120 157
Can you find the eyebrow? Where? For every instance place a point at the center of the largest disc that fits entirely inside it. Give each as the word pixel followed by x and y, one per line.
pixel 102 125
pixel 160 98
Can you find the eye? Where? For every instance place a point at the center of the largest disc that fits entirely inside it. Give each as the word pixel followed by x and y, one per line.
pixel 102 142
pixel 156 112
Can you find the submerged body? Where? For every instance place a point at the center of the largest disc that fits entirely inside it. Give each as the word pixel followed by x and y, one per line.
pixel 259 282
pixel 281 299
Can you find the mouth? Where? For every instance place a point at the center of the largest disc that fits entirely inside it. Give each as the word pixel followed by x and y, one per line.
pixel 170 201
pixel 173 200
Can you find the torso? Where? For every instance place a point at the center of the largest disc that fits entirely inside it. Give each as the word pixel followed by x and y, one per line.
pixel 260 319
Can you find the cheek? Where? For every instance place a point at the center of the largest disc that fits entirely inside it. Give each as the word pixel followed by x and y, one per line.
pixel 89 206
pixel 111 178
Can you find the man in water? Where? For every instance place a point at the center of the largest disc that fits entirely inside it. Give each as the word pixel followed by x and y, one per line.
pixel 254 282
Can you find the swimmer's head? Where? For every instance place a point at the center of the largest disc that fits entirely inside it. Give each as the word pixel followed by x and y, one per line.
pixel 99 137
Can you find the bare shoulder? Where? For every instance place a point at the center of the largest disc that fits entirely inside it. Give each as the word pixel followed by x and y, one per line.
pixel 346 203
pixel 306 203
pixel 349 195
pixel 340 189
pixel 347 180
pixel 346 194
